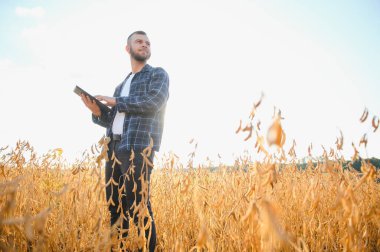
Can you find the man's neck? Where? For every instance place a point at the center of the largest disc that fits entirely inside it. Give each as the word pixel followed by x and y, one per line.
pixel 137 66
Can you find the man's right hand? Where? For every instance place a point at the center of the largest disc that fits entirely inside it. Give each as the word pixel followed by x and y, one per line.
pixel 91 105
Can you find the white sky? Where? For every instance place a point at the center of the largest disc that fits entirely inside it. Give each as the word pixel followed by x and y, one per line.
pixel 315 61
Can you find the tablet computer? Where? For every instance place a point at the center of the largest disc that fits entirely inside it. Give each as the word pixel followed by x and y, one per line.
pixel 104 108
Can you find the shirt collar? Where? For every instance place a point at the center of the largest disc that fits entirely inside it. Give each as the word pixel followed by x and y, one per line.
pixel 146 68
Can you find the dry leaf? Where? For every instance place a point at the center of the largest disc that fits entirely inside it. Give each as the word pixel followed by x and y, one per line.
pixel 364 115
pixel 375 124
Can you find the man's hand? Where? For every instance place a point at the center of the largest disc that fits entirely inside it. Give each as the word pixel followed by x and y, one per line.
pixel 91 105
pixel 109 101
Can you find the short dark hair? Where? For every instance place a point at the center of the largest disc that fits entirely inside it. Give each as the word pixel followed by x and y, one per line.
pixel 133 33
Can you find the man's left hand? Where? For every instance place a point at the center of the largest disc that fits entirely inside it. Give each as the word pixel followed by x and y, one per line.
pixel 109 101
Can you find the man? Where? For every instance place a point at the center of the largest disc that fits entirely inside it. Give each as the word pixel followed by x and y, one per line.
pixel 137 118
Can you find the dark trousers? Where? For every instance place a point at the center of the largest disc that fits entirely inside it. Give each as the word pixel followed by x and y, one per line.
pixel 132 191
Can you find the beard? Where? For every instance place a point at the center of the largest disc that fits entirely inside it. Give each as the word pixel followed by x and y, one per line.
pixel 139 57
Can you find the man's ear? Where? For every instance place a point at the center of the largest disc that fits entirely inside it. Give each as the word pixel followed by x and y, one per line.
pixel 128 49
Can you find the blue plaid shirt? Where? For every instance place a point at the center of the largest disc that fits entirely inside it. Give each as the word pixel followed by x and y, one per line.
pixel 144 109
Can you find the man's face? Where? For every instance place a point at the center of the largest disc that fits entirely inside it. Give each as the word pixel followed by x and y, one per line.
pixel 139 47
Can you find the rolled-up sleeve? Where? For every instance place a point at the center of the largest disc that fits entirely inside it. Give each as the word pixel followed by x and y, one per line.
pixel 103 120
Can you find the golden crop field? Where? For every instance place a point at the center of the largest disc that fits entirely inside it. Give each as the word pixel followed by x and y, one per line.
pixel 49 205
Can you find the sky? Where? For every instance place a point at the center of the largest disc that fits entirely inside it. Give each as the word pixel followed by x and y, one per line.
pixel 317 61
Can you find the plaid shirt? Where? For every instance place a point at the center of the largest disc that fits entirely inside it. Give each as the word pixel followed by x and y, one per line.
pixel 144 109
